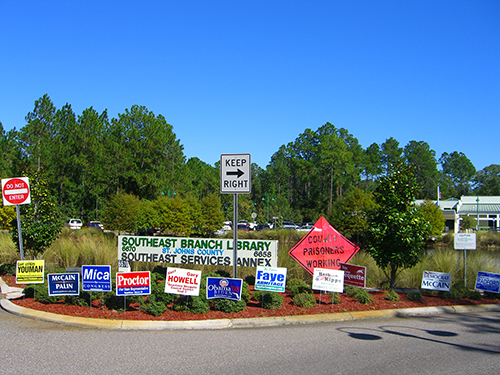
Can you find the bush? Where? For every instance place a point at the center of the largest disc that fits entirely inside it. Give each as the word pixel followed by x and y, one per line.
pixel 296 286
pixel 335 297
pixel 41 294
pixel 474 294
pixel 229 306
pixel 351 291
pixel 304 300
pixel 391 295
pixel 8 269
pixel 250 279
pixel 268 300
pixel 364 297
pixel 192 304
pixel 155 308
pixel 82 300
pixel 114 302
pixel 415 296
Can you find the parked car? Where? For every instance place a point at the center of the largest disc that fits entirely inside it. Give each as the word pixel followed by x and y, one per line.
pixel 289 225
pixel 243 227
pixel 74 224
pixel 306 227
pixel 94 224
pixel 263 227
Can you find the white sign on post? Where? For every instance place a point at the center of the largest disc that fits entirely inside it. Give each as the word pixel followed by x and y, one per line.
pixel 235 174
pixel 465 241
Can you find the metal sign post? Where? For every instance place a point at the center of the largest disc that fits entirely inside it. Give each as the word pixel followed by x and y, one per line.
pixel 235 178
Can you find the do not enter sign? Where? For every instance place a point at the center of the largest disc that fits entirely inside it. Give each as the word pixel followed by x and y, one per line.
pixel 16 191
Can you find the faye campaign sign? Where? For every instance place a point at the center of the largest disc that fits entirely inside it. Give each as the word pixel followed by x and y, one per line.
pixel 436 281
pixel 184 282
pixel 272 279
pixel 63 284
pixel 328 280
pixel 96 278
pixel 197 251
pixel 221 287
pixel 30 271
pixel 133 283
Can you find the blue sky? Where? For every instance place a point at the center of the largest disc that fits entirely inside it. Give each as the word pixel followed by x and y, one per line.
pixel 250 76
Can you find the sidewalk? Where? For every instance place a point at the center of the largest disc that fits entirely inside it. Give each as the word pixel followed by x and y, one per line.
pixel 8 293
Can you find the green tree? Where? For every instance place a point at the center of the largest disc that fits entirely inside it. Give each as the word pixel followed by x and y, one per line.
pixel 488 180
pixel 434 215
pixel 40 220
pixel 122 212
pixel 392 154
pixel 212 214
pixel 397 230
pixel 420 155
pixel 460 170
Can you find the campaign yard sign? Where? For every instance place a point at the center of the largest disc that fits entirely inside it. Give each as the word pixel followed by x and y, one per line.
pixel 96 278
pixel 272 279
pixel 220 287
pixel 184 282
pixel 30 271
pixel 488 282
pixel 133 283
pixel 63 284
pixel 354 275
pixel 328 280
pixel 436 281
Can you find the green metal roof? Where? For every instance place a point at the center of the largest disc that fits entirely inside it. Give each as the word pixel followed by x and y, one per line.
pixel 485 208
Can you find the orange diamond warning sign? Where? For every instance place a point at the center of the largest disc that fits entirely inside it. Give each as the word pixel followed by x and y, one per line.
pixel 323 247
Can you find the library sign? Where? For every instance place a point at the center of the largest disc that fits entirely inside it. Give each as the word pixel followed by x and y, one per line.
pixel 197 251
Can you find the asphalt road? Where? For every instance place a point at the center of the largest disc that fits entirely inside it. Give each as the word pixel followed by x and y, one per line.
pixel 439 344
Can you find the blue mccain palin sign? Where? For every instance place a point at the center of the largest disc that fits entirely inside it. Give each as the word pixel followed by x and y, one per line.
pixel 488 282
pixel 63 284
pixel 96 278
pixel 218 287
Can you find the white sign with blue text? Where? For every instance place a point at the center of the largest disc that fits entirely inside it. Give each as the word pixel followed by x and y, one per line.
pixel 272 279
pixel 436 281
pixel 96 278
pixel 328 280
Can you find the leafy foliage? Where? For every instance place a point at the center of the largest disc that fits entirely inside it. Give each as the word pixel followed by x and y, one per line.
pixel 304 300
pixel 397 230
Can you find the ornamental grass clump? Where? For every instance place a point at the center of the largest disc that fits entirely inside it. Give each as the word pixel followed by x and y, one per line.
pixel 391 295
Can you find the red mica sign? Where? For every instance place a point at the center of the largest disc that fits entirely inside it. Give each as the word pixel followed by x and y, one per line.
pixel 323 247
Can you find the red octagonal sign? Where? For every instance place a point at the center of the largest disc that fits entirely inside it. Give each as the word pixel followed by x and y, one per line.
pixel 16 191
pixel 323 247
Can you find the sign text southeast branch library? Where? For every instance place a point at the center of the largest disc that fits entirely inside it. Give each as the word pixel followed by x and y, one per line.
pixel 197 251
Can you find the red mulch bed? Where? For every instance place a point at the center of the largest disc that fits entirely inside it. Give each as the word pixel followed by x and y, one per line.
pixel 253 309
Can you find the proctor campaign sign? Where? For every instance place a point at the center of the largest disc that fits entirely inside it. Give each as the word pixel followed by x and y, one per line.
pixel 63 284
pixel 328 280
pixel 436 281
pixel 272 279
pixel 218 287
pixel 197 251
pixel 133 283
pixel 181 281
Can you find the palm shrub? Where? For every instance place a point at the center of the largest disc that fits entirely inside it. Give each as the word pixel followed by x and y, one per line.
pixel 391 295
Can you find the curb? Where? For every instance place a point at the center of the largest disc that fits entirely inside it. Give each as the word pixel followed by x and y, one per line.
pixel 154 325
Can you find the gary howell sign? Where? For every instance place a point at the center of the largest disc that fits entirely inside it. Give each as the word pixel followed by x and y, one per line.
pixel 96 278
pixel 436 281
pixel 221 287
pixel 133 283
pixel 272 279
pixel 63 284
pixel 181 281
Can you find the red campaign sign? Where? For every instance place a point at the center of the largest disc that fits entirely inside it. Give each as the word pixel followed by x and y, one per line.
pixel 16 191
pixel 133 283
pixel 354 275
pixel 323 247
